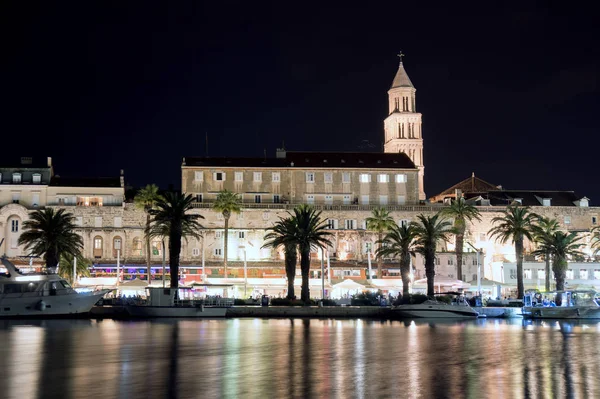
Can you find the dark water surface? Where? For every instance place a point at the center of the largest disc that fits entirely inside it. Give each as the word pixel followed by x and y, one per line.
pixel 255 358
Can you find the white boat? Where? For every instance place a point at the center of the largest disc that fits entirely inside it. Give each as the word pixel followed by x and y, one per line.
pixel 431 308
pixel 41 294
pixel 577 304
pixel 164 302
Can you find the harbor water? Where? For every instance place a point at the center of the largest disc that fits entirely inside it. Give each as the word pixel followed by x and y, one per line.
pixel 298 358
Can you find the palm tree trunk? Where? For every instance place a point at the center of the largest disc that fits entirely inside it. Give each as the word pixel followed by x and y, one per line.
pixel 547 271
pixel 379 257
pixel 519 251
pixel 174 252
pixel 51 259
pixel 290 270
pixel 305 271
pixel 405 273
pixel 459 254
pixel 226 238
pixel 148 248
pixel 559 267
pixel 430 274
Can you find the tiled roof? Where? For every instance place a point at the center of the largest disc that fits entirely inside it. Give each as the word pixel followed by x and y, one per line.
pixel 23 162
pixel 533 198
pixel 369 160
pixel 471 185
pixel 59 181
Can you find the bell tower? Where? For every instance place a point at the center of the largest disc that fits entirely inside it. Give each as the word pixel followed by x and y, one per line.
pixel 403 124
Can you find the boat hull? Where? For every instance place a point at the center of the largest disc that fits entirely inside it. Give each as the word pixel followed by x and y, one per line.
pixel 434 312
pixel 175 311
pixel 49 306
pixel 571 312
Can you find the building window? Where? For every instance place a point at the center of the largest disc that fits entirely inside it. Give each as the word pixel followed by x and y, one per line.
pixel 276 177
pixel 218 252
pixel 219 234
pixel 98 221
pixel 594 220
pixel 310 199
pixel 546 201
pixel 219 176
pixel 98 243
pixel 199 176
pixel 332 224
pixel 383 178
pixel 364 199
pixel 570 274
pixel 276 199
pixel 350 224
pixel 118 222
pixel 328 177
pixel 257 176
pixel 401 178
pixel 137 247
pixel 403 222
pixel 401 199
pixel 383 199
pixel 347 199
pixel 329 199
pixel 364 178
pixel 257 199
pixel 239 176
pixel 156 248
pixel 474 263
pixel 450 261
pixel 14 226
pixel 195 251
pixel 117 247
pixel 596 274
pixel 482 237
pixel 16 197
pixel 310 177
pixel 527 274
pixel 36 178
pixel 583 274
pixel 437 261
pixel 16 178
pixel 265 215
pixel 198 197
pixel 567 219
pixel 241 234
pixel 346 177
pixel 35 199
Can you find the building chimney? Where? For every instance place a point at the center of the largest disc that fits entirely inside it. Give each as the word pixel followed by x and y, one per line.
pixel 49 162
pixel 280 153
pixel 122 178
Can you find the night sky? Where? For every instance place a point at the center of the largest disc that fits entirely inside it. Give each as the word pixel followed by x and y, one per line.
pixel 510 93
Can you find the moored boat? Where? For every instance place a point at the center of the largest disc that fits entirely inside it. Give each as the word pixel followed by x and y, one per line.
pixel 576 304
pixel 431 308
pixel 165 302
pixel 41 295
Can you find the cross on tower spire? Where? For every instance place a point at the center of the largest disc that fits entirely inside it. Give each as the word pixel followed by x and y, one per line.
pixel 400 55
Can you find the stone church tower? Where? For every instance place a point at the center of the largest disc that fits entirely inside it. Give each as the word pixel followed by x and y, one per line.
pixel 403 125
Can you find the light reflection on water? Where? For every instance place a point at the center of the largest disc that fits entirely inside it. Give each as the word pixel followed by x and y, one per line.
pixel 299 358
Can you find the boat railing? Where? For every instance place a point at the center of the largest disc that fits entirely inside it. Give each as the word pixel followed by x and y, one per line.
pixel 208 301
pixel 56 292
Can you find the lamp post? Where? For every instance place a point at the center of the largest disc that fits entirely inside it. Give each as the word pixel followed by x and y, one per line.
pixel 243 248
pixel 202 275
pixel 163 262
pixel 118 248
pixel 322 273
pixel 369 260
pixel 74 268
pixel 478 268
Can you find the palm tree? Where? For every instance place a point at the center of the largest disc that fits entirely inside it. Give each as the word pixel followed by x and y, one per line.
pixel 515 225
pixel 545 227
pixel 280 235
pixel 227 203
pixel 380 221
pixel 65 267
pixel 595 240
pixel 400 242
pixel 461 212
pixel 430 231
pixel 171 218
pixel 306 230
pixel 560 246
pixel 146 199
pixel 51 234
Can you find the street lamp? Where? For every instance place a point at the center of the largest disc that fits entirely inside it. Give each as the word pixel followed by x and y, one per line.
pixel 369 260
pixel 243 248
pixel 118 248
pixel 478 268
